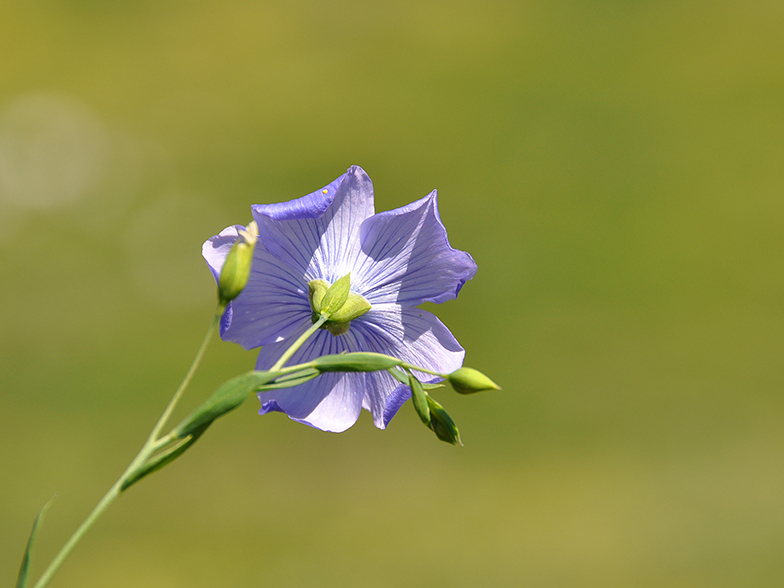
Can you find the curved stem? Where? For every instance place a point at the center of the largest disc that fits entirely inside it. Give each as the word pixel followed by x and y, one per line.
pixel 151 445
pixel 408 366
pixel 298 343
pixel 188 376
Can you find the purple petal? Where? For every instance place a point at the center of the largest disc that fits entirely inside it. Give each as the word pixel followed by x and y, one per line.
pixel 215 249
pixel 408 257
pixel 394 401
pixel 317 235
pixel 273 303
pixel 332 401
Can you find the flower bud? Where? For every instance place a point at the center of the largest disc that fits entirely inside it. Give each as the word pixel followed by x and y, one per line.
pixel 468 381
pixel 360 361
pixel 442 424
pixel 337 302
pixel 236 267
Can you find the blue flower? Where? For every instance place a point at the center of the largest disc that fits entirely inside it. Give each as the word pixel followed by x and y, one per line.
pixel 396 261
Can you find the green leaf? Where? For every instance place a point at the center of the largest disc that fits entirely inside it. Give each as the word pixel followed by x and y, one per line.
pixel 24 569
pixel 355 362
pixel 163 458
pixel 336 296
pixel 419 399
pixel 305 372
pixel 229 396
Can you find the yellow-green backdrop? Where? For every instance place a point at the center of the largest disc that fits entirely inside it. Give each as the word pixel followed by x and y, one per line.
pixel 615 168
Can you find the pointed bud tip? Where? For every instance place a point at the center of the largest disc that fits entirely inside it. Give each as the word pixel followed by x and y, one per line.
pixel 469 381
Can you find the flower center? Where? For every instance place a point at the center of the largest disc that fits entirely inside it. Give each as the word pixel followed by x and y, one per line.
pixel 336 303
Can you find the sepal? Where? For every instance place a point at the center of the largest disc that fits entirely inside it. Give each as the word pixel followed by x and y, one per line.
pixel 229 396
pixel 337 303
pixel 335 297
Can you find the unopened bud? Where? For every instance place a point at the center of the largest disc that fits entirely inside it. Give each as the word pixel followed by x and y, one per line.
pixel 236 269
pixel 442 424
pixel 361 361
pixel 468 381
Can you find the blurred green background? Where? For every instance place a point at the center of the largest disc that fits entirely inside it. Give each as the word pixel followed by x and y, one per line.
pixel 615 168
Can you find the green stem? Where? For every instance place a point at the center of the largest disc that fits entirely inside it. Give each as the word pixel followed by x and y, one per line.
pixel 151 445
pixel 298 343
pixel 408 366
pixel 188 376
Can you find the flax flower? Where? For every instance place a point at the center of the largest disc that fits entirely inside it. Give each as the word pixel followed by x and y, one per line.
pixel 396 260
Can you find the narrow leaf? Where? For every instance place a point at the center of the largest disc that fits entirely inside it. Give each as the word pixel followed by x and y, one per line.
pixel 163 458
pixel 225 399
pixel 297 375
pixel 24 569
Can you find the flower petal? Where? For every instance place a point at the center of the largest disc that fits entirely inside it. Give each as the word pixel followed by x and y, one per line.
pixel 318 235
pixel 393 403
pixel 270 307
pixel 408 259
pixel 215 249
pixel 330 402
